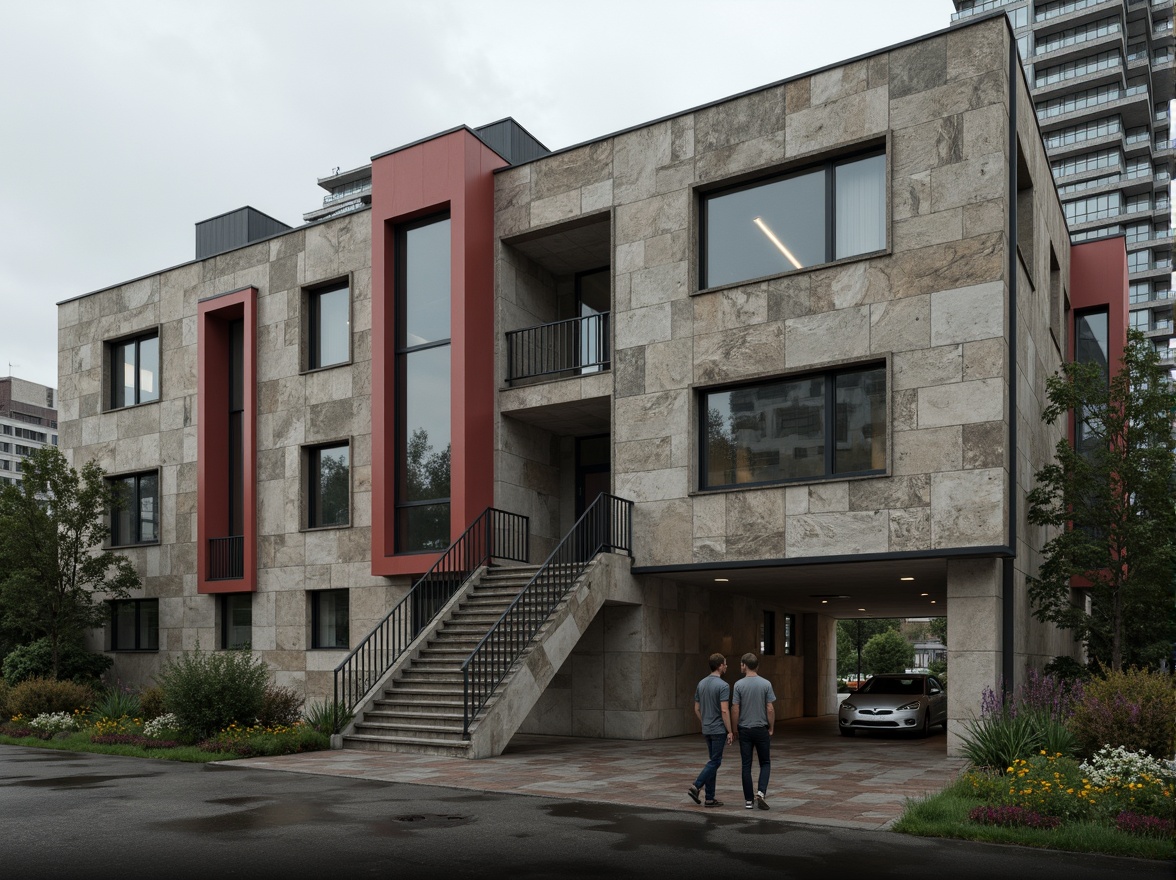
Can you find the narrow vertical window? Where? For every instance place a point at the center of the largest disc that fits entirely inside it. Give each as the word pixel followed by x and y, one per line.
pixel 134 518
pixel 423 386
pixel 236 620
pixel 329 326
pixel 329 619
pixel 329 485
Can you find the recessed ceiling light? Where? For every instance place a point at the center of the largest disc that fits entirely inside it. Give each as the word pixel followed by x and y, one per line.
pixel 924 594
pixel 824 601
pixel 906 579
pixel 828 596
pixel 861 609
pixel 932 601
pixel 721 580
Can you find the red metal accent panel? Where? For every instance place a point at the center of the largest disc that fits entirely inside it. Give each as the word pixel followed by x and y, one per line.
pixel 455 172
pixel 1098 277
pixel 212 434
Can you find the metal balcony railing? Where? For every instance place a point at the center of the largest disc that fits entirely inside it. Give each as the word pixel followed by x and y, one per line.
pixel 494 534
pixel 605 527
pixel 226 558
pixel 577 345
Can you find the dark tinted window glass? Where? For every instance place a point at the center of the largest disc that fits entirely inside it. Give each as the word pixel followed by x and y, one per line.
pixel 237 620
pixel 330 327
pixel 330 613
pixel 426 422
pixel 330 486
pixel 424 527
pixel 861 421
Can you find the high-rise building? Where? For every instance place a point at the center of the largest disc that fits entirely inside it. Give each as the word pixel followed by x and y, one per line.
pixel 28 421
pixel 1100 72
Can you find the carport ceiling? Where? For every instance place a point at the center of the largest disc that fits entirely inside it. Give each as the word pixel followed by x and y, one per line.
pixel 839 589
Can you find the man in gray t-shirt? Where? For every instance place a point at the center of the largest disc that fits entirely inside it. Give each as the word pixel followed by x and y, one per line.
pixel 710 707
pixel 753 711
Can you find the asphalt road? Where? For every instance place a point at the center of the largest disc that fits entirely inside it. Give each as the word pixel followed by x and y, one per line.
pixel 88 816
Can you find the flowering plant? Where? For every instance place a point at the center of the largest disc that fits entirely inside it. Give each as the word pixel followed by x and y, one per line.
pixel 157 727
pixel 1124 766
pixel 54 722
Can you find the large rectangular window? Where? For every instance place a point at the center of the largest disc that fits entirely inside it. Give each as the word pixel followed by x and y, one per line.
pixel 328 497
pixel 329 624
pixel 134 625
pixel 236 621
pixel 134 371
pixel 328 326
pixel 423 386
pixel 794 221
pixel 135 516
pixel 800 428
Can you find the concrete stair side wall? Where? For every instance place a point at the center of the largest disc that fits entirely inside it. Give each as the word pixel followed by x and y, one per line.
pixel 607 579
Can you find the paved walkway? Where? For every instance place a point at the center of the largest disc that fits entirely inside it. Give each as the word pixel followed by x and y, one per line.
pixel 818 777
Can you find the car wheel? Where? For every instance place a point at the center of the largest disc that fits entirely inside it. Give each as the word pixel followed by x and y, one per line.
pixel 846 731
pixel 927 723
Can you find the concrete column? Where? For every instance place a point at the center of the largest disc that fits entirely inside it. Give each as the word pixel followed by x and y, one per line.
pixel 973 640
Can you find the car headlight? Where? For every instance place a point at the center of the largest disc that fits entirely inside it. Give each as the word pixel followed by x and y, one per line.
pixel 850 706
pixel 908 707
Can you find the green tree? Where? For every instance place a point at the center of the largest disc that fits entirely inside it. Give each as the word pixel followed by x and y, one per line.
pixel 1108 505
pixel 848 641
pixel 52 565
pixel 888 652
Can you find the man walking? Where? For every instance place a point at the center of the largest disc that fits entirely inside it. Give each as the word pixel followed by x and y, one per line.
pixel 753 711
pixel 710 705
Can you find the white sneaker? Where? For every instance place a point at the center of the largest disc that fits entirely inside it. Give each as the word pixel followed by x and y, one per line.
pixel 749 805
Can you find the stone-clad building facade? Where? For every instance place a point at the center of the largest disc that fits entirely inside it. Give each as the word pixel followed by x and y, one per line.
pixel 804 330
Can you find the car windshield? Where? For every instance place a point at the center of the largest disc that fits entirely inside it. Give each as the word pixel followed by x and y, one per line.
pixel 893 686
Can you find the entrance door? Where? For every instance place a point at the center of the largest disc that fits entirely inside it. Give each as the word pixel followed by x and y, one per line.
pixel 593 473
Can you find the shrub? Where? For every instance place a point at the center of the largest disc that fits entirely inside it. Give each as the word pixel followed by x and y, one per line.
pixel 133 739
pixel 4 689
pixel 1067 668
pixel 38 696
pixel 1034 717
pixel 1132 709
pixel 35 660
pixel 1010 817
pixel 151 700
pixel 280 705
pixel 115 703
pixel 208 692
pixel 1150 826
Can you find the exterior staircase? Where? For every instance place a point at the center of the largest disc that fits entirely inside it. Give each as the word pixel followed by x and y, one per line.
pixel 421 706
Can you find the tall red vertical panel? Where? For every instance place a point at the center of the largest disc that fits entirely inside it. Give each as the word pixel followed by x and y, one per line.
pixel 1098 277
pixel 452 172
pixel 212 434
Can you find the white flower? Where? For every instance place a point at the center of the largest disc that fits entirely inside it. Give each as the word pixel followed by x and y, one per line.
pixel 54 722
pixel 156 727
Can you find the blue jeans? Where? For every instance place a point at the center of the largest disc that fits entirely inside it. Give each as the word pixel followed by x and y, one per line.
pixel 714 747
pixel 755 738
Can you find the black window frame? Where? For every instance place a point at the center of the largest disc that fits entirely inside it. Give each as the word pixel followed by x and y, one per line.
pixel 135 504
pixel 768 634
pixel 312 458
pixel 316 597
pixel 403 350
pixel 226 601
pixel 136 340
pixel 828 166
pixel 312 297
pixel 830 409
pixel 139 605
pixel 789 632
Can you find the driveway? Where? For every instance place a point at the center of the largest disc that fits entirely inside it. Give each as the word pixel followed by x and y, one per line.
pixel 818 777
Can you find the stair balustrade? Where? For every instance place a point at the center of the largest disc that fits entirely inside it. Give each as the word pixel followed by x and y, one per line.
pixel 494 534
pixel 605 527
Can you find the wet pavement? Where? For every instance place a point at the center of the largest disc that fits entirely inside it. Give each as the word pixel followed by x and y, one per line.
pixel 818 777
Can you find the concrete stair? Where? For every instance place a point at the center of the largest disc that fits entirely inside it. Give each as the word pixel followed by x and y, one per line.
pixel 421 707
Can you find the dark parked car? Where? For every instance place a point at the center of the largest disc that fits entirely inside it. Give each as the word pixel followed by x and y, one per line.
pixel 899 701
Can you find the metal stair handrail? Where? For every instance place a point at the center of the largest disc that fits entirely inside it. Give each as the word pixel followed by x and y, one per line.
pixel 494 534
pixel 606 526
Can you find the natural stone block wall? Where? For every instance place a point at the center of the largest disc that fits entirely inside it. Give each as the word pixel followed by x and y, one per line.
pixel 294 408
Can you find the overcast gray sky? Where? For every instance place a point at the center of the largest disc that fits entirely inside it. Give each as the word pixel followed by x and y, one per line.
pixel 122 124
